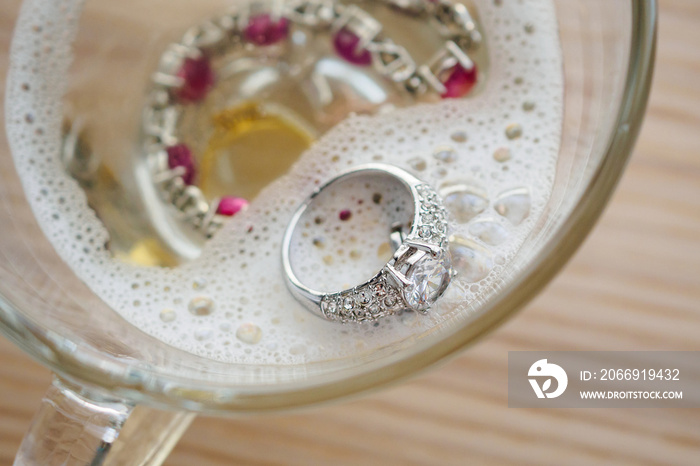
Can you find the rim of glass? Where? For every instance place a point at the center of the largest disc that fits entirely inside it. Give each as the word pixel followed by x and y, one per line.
pixel 94 370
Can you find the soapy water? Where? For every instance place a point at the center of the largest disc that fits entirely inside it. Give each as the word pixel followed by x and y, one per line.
pixel 492 157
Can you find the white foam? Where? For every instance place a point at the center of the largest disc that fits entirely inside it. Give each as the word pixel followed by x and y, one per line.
pixel 240 269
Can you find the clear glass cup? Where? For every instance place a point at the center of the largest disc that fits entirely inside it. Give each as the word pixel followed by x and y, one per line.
pixel 104 367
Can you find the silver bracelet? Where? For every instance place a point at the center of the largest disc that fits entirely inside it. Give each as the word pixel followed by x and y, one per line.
pixel 185 76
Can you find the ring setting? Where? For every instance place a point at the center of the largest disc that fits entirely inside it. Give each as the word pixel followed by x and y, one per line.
pixel 416 276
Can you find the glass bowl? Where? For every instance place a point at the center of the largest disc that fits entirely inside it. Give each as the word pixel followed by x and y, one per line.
pixel 608 52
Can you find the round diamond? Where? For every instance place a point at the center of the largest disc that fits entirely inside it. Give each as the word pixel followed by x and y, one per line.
pixel 348 303
pixel 364 297
pixel 425 231
pixel 428 279
pixel 390 301
pixel 330 307
pixel 380 290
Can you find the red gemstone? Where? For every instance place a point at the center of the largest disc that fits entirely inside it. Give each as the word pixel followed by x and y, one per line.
pixel 346 44
pixel 198 78
pixel 230 206
pixel 263 30
pixel 345 215
pixel 181 156
pixel 460 82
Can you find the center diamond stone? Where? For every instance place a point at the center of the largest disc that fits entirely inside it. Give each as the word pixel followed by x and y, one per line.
pixel 428 280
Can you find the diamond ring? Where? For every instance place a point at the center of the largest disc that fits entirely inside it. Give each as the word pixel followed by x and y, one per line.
pixel 414 279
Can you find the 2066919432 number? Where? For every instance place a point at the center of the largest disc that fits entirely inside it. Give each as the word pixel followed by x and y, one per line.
pixel 640 374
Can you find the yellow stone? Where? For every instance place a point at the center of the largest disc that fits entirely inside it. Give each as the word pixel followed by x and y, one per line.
pixel 147 252
pixel 250 147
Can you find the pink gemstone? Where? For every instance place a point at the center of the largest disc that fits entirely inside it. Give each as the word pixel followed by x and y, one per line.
pixel 263 30
pixel 460 82
pixel 345 215
pixel 346 44
pixel 230 206
pixel 199 78
pixel 181 156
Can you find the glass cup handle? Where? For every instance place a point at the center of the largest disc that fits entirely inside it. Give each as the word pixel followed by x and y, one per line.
pixel 71 428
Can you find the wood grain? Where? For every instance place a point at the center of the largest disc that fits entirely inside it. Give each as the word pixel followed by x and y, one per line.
pixel 634 285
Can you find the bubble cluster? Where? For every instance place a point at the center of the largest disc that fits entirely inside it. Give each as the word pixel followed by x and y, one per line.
pixel 232 304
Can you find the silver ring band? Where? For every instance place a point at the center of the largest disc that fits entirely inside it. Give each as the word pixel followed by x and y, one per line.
pixel 416 276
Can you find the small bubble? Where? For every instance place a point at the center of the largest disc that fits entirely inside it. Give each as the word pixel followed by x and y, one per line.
pixel 328 259
pixel 249 333
pixel 514 205
pixel 463 201
pixel 440 172
pixel 445 154
pixel 471 261
pixel 355 254
pixel 418 164
pixel 502 154
pixel 529 106
pixel 319 242
pixel 167 315
pixel 318 220
pixel 203 333
pixel 514 131
pixel 201 306
pixel 377 198
pixel 459 136
pixel 297 349
pixel 529 28
pixel 199 284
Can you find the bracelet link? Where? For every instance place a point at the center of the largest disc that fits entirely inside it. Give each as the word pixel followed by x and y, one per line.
pixel 360 23
pixel 449 56
pixel 456 23
pixel 317 14
pixel 392 60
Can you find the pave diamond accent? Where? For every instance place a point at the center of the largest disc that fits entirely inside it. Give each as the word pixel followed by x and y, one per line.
pixel 432 225
pixel 365 303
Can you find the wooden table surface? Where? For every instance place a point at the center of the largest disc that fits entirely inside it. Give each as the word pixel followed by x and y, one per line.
pixel 634 285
